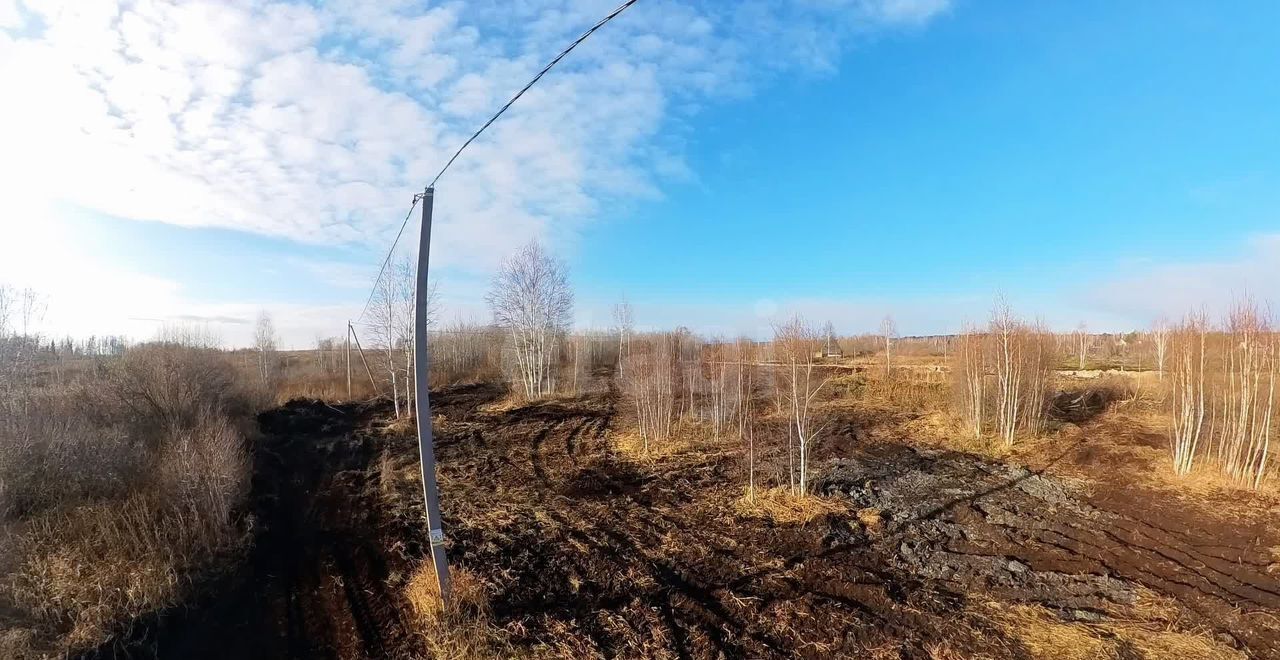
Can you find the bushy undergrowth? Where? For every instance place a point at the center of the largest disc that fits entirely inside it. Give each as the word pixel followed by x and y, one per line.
pixel 118 492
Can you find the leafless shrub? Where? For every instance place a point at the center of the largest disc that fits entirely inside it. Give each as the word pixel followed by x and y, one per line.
pixel 1247 394
pixel 124 489
pixel 1002 376
pixel 1080 341
pixel 1022 359
pixel 1224 395
pixel 53 453
pixel 157 387
pixel 649 380
pixel 465 352
pixel 969 377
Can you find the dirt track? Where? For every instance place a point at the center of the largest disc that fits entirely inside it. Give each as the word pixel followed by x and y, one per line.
pixel 587 554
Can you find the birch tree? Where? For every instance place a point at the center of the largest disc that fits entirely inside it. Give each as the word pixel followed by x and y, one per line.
pixel 1081 337
pixel 969 374
pixel 1187 350
pixel 624 322
pixel 1008 366
pixel 650 382
pixel 1248 394
pixel 386 323
pixel 264 341
pixel 744 353
pixel 530 298
pixel 888 331
pixel 402 291
pixel 32 307
pixel 1160 338
pixel 8 298
pixel 795 343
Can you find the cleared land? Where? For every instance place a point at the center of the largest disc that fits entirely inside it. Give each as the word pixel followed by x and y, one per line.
pixel 583 551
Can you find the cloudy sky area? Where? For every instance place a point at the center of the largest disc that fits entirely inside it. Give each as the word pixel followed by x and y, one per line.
pixel 718 164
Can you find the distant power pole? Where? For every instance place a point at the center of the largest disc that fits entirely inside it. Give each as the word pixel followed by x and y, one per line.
pixel 426 448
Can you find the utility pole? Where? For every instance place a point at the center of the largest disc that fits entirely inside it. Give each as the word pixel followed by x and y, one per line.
pixel 426 448
pixel 367 370
pixel 348 360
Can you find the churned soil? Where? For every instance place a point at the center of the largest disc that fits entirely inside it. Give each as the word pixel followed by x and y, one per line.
pixel 585 552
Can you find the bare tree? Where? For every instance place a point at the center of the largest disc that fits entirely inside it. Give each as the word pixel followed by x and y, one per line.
pixel 386 323
pixel 624 323
pixel 8 299
pixel 969 373
pixel 829 335
pixel 264 340
pixel 1021 356
pixel 1081 336
pixel 1160 337
pixel 1187 348
pixel 888 331
pixel 32 307
pixel 717 371
pixel 744 353
pixel 531 299
pixel 1248 393
pixel 795 343
pixel 1008 364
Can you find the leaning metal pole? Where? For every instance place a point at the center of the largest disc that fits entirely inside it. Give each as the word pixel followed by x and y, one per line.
pixel 426 444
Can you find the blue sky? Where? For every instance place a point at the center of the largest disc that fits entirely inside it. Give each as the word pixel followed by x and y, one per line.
pixel 1092 161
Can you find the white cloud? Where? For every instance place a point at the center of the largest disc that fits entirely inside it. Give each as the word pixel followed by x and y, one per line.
pixel 1172 290
pixel 317 124
pixel 284 119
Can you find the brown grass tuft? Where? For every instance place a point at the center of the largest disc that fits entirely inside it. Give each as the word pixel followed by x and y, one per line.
pixel 461 630
pixel 1045 636
pixel 871 519
pixel 688 438
pixel 781 506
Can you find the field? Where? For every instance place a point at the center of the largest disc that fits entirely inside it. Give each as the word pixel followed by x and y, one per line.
pixel 568 542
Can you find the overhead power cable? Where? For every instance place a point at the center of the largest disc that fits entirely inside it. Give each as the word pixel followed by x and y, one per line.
pixel 556 60
pixel 386 262
pixel 621 8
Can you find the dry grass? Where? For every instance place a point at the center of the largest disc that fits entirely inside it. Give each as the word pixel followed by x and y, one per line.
pixel 120 493
pixel 781 506
pixel 1134 439
pixel 1045 636
pixel 871 520
pixel 907 390
pixel 462 629
pixel 313 384
pixel 687 439
pixel 514 400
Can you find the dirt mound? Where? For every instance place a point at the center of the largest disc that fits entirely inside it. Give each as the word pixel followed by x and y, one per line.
pixel 960 520
pixel 1010 533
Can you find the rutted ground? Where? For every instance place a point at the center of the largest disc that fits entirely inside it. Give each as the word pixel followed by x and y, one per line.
pixel 587 554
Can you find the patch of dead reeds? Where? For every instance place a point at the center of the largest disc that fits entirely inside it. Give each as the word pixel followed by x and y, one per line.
pixel 782 506
pixel 459 629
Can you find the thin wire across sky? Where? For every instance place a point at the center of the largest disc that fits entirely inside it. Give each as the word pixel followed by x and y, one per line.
pixel 556 60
